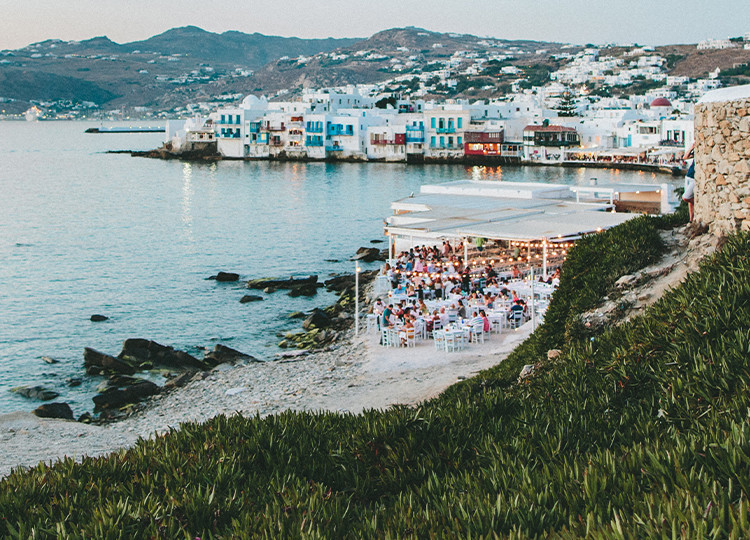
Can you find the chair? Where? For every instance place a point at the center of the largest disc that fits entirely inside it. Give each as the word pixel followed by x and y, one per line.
pixel 452 340
pixel 437 324
pixel 411 337
pixel 439 337
pixel 385 337
pixel 372 322
pixel 497 324
pixel 420 329
pixel 477 333
pixel 517 318
pixel 452 315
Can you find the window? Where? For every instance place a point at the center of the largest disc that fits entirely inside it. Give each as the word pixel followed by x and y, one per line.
pixel 432 140
pixel 442 142
pixel 460 123
pixel 450 142
pixel 460 140
pixel 432 122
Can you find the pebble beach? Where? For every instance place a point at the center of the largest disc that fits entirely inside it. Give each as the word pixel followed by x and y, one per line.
pixel 358 375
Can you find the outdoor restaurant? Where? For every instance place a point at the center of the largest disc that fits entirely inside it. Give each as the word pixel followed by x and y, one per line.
pixel 469 259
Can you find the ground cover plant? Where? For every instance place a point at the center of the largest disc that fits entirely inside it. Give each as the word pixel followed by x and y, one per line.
pixel 641 431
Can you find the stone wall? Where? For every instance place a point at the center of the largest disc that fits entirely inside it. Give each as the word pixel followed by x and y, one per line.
pixel 722 160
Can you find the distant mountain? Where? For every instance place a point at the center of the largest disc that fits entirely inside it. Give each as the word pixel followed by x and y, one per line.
pixel 246 50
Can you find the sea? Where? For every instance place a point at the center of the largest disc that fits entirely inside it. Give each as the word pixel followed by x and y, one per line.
pixel 84 231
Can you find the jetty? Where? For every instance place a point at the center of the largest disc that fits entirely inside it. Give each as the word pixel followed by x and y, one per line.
pixel 125 129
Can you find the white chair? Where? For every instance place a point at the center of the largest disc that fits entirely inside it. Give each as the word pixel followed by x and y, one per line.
pixel 372 322
pixel 452 315
pixel 437 324
pixel 439 336
pixel 453 341
pixel 517 318
pixel 385 337
pixel 410 336
pixel 477 333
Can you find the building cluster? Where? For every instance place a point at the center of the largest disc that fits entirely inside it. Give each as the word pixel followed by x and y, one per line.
pixel 344 124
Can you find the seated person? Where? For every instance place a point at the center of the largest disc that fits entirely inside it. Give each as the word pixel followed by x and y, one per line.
pixel 485 321
pixel 516 307
pixel 408 323
pixel 477 321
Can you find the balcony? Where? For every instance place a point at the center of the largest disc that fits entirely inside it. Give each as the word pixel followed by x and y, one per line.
pixel 334 148
pixel 275 127
pixel 449 129
pixel 335 130
pixel 313 142
pixel 312 128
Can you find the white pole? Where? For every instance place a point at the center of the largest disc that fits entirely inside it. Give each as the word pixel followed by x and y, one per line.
pixel 544 260
pixel 533 305
pixel 466 251
pixel 356 298
pixel 390 249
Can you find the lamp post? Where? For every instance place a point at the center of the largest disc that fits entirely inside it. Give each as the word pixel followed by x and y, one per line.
pixel 357 270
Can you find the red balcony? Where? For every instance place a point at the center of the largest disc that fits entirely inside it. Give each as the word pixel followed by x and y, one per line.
pixel 399 138
pixel 484 136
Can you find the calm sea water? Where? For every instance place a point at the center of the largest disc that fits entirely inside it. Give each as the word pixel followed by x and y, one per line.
pixel 84 232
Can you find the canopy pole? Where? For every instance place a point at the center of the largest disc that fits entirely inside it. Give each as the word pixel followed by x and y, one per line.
pixel 533 303
pixel 544 260
pixel 466 252
pixel 390 249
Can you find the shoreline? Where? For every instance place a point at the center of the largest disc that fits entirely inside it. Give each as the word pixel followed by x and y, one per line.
pixel 358 375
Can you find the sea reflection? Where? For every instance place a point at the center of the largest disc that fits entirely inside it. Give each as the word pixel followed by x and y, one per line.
pixel 187 201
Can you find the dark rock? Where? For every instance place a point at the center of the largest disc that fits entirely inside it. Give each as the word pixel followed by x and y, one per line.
pixel 73 381
pixel 97 363
pixel 50 360
pixel 180 380
pixel 308 289
pixel 35 392
pixel 225 277
pixel 269 290
pixel 85 418
pixel 339 283
pixel 277 283
pixel 318 319
pixel 112 399
pixel 54 410
pixel 250 298
pixel 332 260
pixel 377 241
pixel 99 318
pixel 223 354
pixel 142 352
pixel 367 254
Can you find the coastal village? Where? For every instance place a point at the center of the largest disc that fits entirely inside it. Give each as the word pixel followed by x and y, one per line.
pixel 566 118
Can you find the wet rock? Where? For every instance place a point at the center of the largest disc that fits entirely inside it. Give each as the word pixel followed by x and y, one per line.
pixel 115 398
pixel 222 354
pixel 283 344
pixel 278 283
pixel 367 254
pixel 54 410
pixel 98 318
pixel 73 381
pixel 85 418
pixel 317 319
pixel 225 277
pixel 297 315
pixel 250 298
pixel 269 290
pixel 308 289
pixel 377 241
pixel 50 360
pixel 35 392
pixel 146 353
pixel 97 363
pixel 180 380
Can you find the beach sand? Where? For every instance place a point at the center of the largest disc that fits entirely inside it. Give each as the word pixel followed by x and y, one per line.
pixel 359 375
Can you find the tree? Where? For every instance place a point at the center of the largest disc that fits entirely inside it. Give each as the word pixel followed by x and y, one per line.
pixel 567 105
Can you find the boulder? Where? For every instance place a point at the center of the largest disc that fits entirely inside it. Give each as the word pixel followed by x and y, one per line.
pixel 35 392
pixel 50 360
pixel 626 281
pixel 317 319
pixel 54 410
pixel 73 381
pixel 297 315
pixel 377 241
pixel 526 372
pixel 98 318
pixel 269 290
pixel 340 283
pixel 250 298
pixel 144 352
pixel 278 283
pixel 225 277
pixel 223 354
pixel 367 254
pixel 97 363
pixel 308 289
pixel 553 354
pixel 115 398
pixel 180 380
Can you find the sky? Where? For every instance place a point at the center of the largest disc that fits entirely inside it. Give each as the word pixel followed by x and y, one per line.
pixel 646 22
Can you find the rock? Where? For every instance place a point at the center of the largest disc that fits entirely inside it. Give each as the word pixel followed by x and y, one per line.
pixel 250 298
pixel 54 410
pixel 85 418
pixel 73 381
pixel 278 283
pixel 98 318
pixel 367 254
pixel 377 241
pixel 340 283
pixel 35 392
pixel 309 289
pixel 269 290
pixel 526 372
pixel 317 319
pixel 97 362
pixel 50 360
pixel 297 315
pixel 282 344
pixel 625 281
pixel 143 352
pixel 553 354
pixel 223 354
pixel 225 277
pixel 180 380
pixel 112 399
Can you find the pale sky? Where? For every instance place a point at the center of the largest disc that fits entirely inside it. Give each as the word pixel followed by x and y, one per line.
pixel 652 22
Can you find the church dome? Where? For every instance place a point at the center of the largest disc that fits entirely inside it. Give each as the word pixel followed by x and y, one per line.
pixel 661 102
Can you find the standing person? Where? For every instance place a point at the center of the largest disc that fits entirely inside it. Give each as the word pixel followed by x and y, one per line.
pixel 689 195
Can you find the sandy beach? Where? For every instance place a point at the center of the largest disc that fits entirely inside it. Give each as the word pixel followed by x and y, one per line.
pixel 358 375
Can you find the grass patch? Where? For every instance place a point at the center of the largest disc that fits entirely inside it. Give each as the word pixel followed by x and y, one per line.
pixel 640 432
